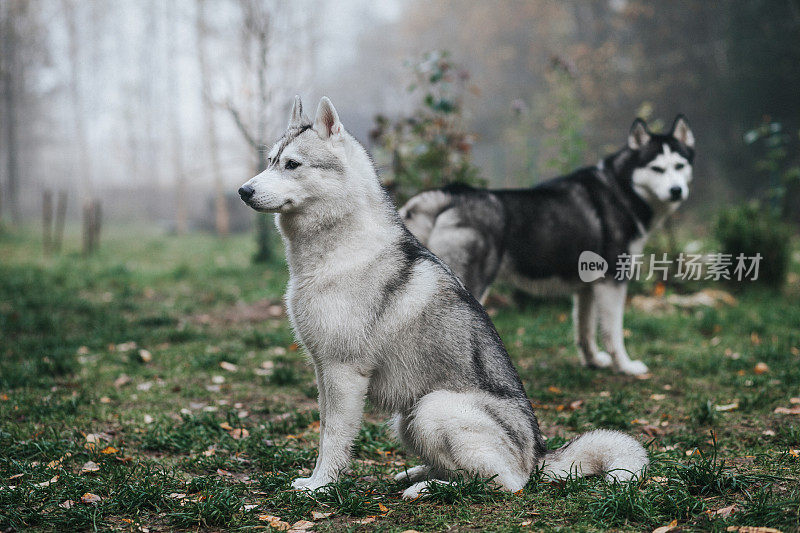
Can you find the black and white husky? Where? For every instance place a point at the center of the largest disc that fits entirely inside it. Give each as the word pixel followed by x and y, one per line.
pixel 534 237
pixel 381 317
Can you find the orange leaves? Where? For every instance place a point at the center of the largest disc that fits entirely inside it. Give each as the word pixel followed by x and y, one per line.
pixel 91 498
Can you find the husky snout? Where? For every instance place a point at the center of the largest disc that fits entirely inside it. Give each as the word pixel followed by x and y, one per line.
pixel 676 193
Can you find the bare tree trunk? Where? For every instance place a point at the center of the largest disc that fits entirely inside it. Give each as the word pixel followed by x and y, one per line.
pixel 47 221
pixel 181 219
pixel 91 226
pixel 61 216
pixel 10 111
pixel 222 218
pixel 84 160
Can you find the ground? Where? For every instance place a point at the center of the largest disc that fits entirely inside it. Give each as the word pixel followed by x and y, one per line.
pixel 156 386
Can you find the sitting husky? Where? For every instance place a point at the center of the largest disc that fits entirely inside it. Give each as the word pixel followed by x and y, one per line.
pixel 381 317
pixel 534 237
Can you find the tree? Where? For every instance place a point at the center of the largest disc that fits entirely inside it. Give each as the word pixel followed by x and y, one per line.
pixel 222 218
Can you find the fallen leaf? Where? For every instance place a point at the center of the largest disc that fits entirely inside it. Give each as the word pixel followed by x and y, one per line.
pixel 122 380
pixel 293 347
pixel 218 380
pixel 666 529
pixel 239 433
pixel 230 367
pixel 148 419
pixel 105 399
pixel 89 466
pixel 367 520
pixel 658 397
pixel 57 462
pixel 761 368
pixel 787 411
pixel 46 483
pixel 109 450
pixel 145 356
pixel 316 515
pixel 652 431
pixel 250 506
pixel 144 387
pixel 554 390
pixel 66 504
pixel 90 498
pixel 274 522
pixel 15 476
pixel 723 512
pixel 640 421
pixel 125 346
pixel 383 508
pixel 4 397
pixel 794 401
pixel 177 495
pixel 302 525
pixel 226 426
pixel 222 472
pixel 210 451
pixel 753 529
pixel 727 407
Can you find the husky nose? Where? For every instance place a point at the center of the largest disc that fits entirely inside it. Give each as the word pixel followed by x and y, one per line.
pixel 675 193
pixel 246 192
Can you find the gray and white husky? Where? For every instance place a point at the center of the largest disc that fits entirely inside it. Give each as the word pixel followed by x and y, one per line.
pixel 382 318
pixel 534 237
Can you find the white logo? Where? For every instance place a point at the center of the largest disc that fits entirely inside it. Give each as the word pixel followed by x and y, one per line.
pixel 591 266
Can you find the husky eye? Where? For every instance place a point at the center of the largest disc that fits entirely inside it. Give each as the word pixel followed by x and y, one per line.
pixel 679 166
pixel 292 164
pixel 660 170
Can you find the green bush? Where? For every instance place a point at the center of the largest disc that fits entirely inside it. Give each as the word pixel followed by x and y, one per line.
pixel 752 228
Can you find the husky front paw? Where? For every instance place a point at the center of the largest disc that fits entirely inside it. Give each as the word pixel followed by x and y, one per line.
pixel 633 368
pixel 600 360
pixel 301 482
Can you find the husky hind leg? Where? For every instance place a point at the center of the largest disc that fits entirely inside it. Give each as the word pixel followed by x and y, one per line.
pixel 468 432
pixel 584 317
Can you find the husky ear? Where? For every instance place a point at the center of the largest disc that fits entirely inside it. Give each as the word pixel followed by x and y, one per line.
pixel 638 136
pixel 326 122
pixel 682 131
pixel 296 116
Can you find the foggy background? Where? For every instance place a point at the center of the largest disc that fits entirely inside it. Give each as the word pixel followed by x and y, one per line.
pixel 156 108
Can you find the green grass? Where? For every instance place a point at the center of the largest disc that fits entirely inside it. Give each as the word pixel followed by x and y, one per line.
pixel 181 443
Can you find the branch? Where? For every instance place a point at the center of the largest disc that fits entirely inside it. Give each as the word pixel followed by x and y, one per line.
pixel 237 118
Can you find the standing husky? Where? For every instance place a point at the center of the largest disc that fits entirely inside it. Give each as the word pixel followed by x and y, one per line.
pixel 534 237
pixel 381 317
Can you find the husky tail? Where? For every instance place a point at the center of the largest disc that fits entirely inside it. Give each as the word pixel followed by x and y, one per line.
pixel 615 455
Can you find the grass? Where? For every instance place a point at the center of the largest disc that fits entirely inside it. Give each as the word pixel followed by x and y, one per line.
pixel 206 429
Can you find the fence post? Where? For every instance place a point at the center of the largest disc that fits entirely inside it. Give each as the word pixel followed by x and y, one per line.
pixel 47 221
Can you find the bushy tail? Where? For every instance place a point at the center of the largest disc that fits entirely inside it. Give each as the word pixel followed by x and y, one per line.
pixel 420 212
pixel 615 455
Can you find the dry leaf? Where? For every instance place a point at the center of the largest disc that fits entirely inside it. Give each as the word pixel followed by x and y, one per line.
pixel 210 451
pixel 57 462
pixel 230 367
pixel 383 508
pixel 239 433
pixel 90 498
pixel 177 495
pixel 727 407
pixel 666 529
pixel 148 419
pixel 15 476
pixel 554 390
pixel 316 515
pixel 367 520
pixel 302 525
pixel 217 380
pixel 66 504
pixel 787 411
pixel 109 450
pixel 752 529
pixel 122 380
pixel 293 347
pixel 222 472
pixel 89 466
pixel 723 512
pixel 226 426
pixel 657 397
pixel 145 356
pixel 125 346
pixel 274 522
pixel 794 401
pixel 761 368
pixel 46 483
pixel 105 399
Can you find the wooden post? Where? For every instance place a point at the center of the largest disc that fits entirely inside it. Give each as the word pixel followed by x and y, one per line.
pixel 61 215
pixel 96 224
pixel 47 221
pixel 87 227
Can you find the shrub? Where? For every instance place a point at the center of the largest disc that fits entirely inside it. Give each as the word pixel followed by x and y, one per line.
pixel 750 229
